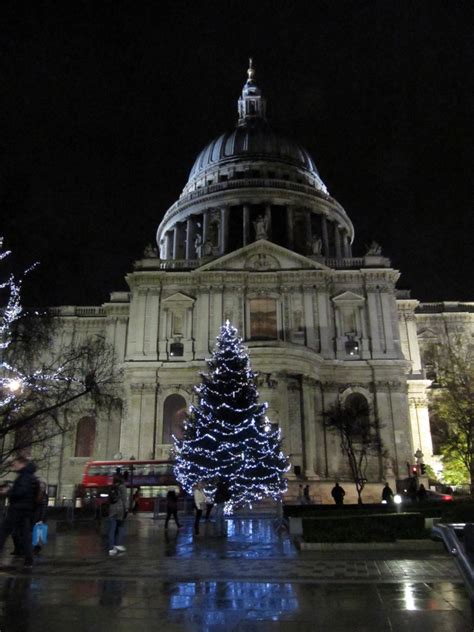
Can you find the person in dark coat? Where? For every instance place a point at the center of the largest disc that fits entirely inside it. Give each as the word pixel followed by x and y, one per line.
pixel 118 511
pixel 387 494
pixel 172 508
pixel 338 494
pixel 306 496
pixel 221 496
pixel 421 493
pixel 22 498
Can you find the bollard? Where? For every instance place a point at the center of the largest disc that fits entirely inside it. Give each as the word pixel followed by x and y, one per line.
pixel 469 541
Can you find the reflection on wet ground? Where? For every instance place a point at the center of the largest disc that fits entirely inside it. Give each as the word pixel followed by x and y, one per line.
pixel 252 580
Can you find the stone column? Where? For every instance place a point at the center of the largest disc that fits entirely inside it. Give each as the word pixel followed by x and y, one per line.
pixel 150 345
pixel 325 330
pixel 337 241
pixel 169 245
pixel 224 238
pixel 309 230
pixel 309 427
pixel 374 330
pixel 175 242
pixel 388 305
pixel 205 227
pixel 289 227
pixel 268 217
pixel 246 223
pixel 147 422
pixel 309 316
pixel 190 237
pixel 324 227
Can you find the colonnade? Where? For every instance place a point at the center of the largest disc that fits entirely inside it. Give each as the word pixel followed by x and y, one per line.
pixel 208 233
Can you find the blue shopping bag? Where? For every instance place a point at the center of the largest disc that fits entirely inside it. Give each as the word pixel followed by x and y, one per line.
pixel 40 533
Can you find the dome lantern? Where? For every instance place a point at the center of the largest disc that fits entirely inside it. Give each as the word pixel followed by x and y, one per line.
pixel 251 104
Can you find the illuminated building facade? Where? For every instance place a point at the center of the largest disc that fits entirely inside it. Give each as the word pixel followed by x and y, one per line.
pixel 256 238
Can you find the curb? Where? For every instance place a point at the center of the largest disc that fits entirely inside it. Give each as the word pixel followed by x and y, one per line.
pixel 399 545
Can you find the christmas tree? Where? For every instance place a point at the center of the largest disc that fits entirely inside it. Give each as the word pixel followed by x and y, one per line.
pixel 227 434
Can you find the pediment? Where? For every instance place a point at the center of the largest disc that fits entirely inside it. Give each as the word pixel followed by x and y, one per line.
pixel 348 297
pixel 427 334
pixel 179 297
pixel 263 256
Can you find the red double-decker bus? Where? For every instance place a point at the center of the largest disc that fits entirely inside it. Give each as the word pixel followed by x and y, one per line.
pixel 154 478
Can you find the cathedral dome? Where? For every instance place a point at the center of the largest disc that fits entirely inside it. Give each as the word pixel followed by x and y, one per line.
pixel 253 140
pixel 251 184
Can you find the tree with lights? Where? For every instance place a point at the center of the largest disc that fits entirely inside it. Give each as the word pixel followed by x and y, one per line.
pixel 227 434
pixel 40 385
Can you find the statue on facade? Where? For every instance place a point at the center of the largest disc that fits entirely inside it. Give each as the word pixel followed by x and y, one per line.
pixel 374 250
pixel 207 248
pixel 316 245
pixel 198 245
pixel 261 227
pixel 150 252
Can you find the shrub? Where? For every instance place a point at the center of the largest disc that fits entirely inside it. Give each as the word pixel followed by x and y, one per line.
pixel 364 528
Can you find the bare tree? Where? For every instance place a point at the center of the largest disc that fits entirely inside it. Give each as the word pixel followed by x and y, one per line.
pixel 359 435
pixel 38 378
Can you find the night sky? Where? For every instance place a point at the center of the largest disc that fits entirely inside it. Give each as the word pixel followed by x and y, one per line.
pixel 105 105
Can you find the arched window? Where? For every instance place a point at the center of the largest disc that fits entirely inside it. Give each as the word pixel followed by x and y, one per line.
pixel 85 437
pixel 358 405
pixel 174 414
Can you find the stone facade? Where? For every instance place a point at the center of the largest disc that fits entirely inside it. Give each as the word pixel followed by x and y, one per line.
pixel 255 238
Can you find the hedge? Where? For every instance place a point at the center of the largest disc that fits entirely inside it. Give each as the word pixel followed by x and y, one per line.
pixel 364 528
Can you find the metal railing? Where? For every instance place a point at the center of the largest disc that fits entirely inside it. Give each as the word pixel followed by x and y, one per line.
pixel 462 551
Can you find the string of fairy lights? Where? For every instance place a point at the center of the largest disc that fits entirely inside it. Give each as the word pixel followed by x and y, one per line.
pixel 227 434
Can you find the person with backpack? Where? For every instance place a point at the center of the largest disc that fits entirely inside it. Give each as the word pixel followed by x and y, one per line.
pixel 117 513
pixel 22 497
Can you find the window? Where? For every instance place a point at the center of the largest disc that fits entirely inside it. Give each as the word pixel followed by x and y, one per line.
pixel 359 409
pixel 176 349
pixel 263 319
pixel 85 437
pixel 174 414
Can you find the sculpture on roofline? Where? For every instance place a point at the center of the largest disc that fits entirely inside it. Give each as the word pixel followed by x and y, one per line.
pixel 374 250
pixel 150 252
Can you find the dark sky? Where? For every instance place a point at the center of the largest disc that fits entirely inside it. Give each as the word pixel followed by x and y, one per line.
pixel 105 104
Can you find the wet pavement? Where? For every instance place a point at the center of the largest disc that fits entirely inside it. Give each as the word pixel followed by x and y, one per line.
pixel 253 580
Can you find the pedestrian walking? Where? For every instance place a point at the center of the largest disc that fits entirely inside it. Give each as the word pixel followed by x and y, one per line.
pixel 199 505
pixel 387 494
pixel 172 508
pixel 22 496
pixel 338 494
pixel 135 500
pixel 222 496
pixel 118 510
pixel 306 496
pixel 422 494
